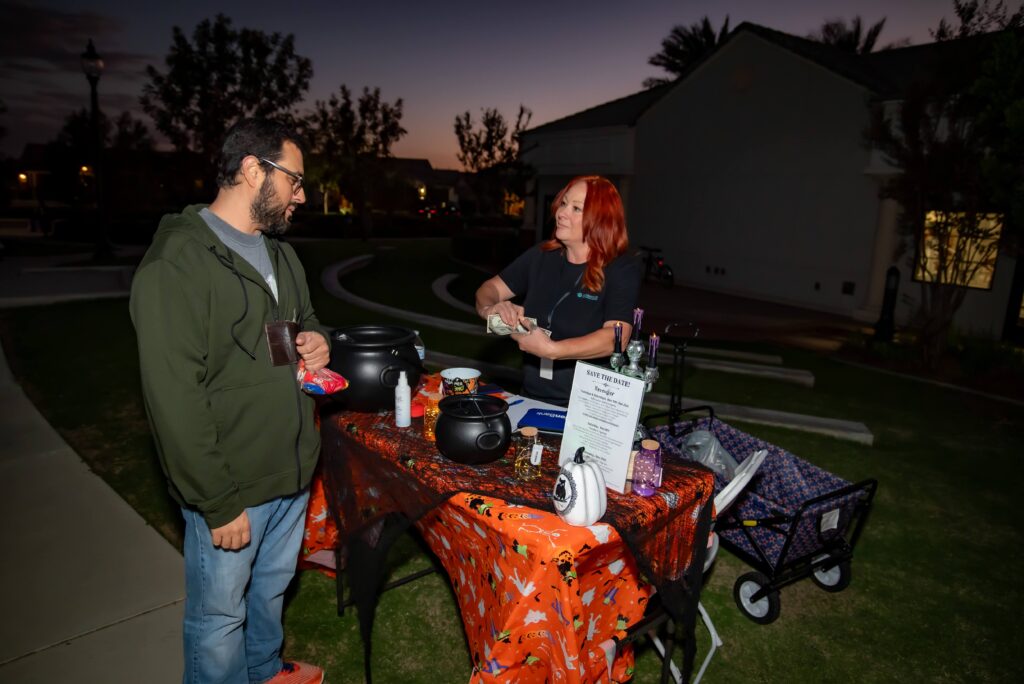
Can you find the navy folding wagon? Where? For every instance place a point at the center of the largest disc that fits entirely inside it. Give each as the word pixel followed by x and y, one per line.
pixel 794 520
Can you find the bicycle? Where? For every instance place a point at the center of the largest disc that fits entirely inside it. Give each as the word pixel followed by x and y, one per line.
pixel 655 267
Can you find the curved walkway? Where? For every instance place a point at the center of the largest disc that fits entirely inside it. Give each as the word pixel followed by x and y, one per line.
pixel 329 279
pixel 841 429
pixel 440 288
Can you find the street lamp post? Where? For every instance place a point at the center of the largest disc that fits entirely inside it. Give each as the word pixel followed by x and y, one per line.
pixel 92 67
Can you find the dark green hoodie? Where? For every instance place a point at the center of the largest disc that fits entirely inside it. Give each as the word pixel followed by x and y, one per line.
pixel 231 430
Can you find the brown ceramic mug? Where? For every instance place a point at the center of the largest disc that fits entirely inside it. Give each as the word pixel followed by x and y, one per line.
pixel 281 341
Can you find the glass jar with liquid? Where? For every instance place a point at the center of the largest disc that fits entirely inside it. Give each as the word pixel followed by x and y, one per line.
pixel 529 452
pixel 430 414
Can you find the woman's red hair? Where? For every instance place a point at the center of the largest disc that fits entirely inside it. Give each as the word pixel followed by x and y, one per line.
pixel 604 227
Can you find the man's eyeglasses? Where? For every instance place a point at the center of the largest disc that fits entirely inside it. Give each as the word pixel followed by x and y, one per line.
pixel 296 177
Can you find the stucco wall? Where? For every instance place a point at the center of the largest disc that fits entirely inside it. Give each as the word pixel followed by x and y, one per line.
pixel 750 175
pixel 559 157
pixel 983 312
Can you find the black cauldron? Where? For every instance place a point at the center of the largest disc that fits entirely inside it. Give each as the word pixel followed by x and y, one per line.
pixel 371 358
pixel 473 428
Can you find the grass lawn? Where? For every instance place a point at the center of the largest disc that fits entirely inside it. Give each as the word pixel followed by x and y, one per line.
pixel 933 598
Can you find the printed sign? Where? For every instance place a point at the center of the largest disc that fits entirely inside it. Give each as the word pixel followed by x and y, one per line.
pixel 604 408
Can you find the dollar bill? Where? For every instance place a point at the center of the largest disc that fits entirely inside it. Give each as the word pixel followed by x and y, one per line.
pixel 497 326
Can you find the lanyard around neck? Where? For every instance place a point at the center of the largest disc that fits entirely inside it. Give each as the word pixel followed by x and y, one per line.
pixel 551 314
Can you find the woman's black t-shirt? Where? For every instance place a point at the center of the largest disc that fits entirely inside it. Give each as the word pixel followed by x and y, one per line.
pixel 551 290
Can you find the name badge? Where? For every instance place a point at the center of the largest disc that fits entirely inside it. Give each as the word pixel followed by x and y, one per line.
pixel 547 369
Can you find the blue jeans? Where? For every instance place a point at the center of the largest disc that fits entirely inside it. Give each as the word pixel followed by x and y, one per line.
pixel 233 599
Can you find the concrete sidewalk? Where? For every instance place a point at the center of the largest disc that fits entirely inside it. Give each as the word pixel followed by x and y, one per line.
pixel 91 593
pixel 30 281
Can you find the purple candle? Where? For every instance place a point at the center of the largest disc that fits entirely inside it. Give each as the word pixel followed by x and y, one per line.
pixel 618 338
pixel 652 349
pixel 638 319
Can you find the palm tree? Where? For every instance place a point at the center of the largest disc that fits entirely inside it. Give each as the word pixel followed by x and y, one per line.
pixel 851 37
pixel 685 46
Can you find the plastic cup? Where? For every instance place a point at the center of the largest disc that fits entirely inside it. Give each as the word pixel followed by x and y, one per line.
pixel 459 381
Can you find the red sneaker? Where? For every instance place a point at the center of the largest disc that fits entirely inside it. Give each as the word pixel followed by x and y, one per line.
pixel 298 673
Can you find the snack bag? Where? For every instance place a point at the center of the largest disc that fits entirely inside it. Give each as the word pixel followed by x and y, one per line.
pixel 323 381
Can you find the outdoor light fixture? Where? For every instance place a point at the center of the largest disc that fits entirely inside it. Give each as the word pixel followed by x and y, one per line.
pixel 92 64
pixel 22 177
pixel 92 67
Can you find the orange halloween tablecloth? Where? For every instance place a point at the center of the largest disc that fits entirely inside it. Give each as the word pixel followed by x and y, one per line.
pixel 541 600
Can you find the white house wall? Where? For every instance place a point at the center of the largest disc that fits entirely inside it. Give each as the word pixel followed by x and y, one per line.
pixel 750 175
pixel 982 313
pixel 559 157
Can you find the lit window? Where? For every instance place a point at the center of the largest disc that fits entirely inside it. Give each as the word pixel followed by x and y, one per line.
pixel 956 253
pixel 513 204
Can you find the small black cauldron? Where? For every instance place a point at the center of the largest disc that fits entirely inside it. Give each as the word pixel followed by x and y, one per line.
pixel 473 428
pixel 371 358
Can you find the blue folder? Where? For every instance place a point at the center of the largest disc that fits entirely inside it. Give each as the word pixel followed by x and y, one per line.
pixel 543 419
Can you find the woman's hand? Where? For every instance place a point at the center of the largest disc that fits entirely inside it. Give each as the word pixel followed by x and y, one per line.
pixel 538 343
pixel 493 298
pixel 511 314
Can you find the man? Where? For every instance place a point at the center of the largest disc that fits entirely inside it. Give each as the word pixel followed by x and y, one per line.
pixel 234 433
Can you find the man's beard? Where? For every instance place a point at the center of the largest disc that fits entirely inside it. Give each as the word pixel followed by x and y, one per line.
pixel 270 217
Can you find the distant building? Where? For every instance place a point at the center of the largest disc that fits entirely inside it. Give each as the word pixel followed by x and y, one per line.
pixel 751 173
pixel 52 176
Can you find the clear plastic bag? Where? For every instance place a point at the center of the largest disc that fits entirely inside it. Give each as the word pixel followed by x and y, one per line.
pixel 703 447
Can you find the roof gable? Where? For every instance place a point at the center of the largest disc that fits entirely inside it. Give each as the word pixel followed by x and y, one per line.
pixel 887 73
pixel 622 112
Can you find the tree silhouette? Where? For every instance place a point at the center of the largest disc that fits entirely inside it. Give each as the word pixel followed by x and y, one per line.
pixel 685 46
pixel 491 154
pixel 490 144
pixel 347 141
pixel 220 76
pixel 130 134
pixel 124 133
pixel 976 17
pixel 851 36
pixel 76 135
pixel 957 139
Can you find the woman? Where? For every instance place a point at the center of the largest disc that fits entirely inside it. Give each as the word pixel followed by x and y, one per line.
pixel 577 285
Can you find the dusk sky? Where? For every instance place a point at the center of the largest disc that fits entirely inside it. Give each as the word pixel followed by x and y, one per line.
pixel 441 58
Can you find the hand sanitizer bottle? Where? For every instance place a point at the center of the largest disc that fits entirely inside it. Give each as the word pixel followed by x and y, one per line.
pixel 402 401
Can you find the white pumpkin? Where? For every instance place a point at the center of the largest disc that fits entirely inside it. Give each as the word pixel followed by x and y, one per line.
pixel 579 495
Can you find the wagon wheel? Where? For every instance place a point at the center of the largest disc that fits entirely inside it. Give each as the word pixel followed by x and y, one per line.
pixel 763 611
pixel 834 579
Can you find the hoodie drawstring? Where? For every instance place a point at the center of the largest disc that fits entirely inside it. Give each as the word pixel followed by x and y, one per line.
pixel 295 284
pixel 230 263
